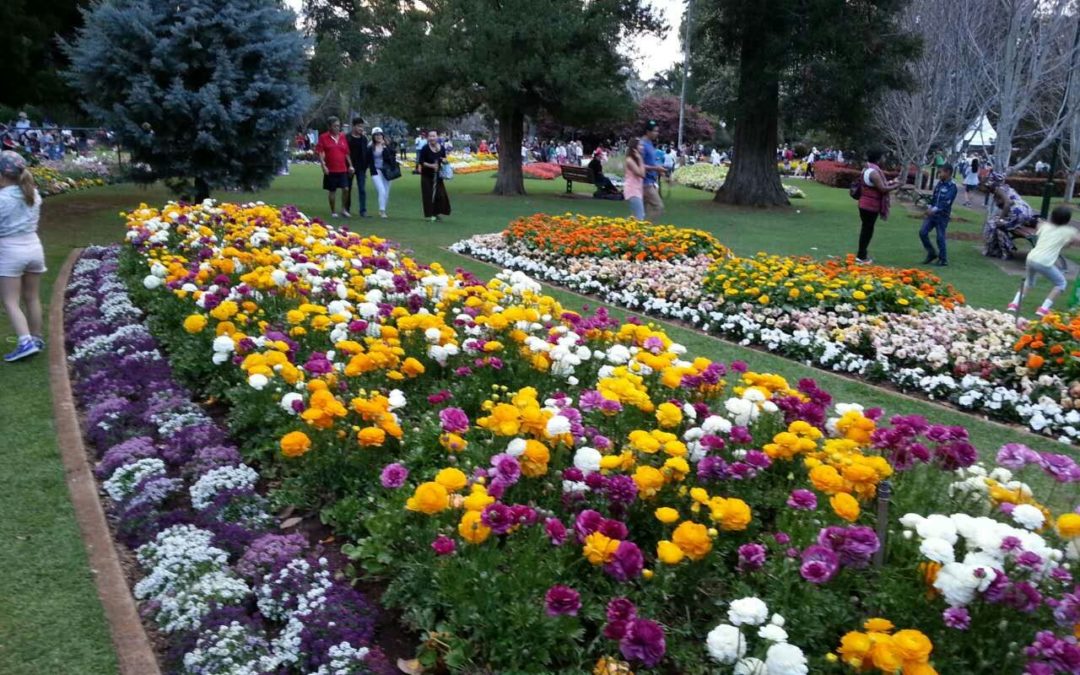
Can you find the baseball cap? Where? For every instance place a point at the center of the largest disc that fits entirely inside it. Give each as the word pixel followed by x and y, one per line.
pixel 650 125
pixel 376 130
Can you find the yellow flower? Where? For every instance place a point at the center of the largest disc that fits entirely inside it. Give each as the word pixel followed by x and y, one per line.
pixel 453 442
pixel 666 515
pixel 534 461
pixel 649 480
pixel 912 645
pixel 195 323
pixel 412 367
pixel 845 506
pixel 1068 525
pixel 599 549
pixel 885 656
pixel 478 499
pixel 668 553
pixel 692 539
pixel 854 649
pixel 371 436
pixel 452 479
pixel 226 310
pixel 669 415
pixel 733 514
pixel 429 498
pixel 878 625
pixel 472 529
pixel 295 444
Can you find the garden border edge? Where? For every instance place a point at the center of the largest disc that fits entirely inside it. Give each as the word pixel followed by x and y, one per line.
pixel 134 653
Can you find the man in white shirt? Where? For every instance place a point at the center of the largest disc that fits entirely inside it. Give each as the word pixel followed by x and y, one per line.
pixel 714 157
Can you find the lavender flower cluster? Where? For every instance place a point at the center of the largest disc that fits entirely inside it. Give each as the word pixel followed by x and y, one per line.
pixel 232 596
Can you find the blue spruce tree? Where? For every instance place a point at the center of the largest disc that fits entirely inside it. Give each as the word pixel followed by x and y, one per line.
pixel 204 92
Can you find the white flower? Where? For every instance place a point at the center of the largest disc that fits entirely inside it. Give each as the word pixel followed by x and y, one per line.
pixel 750 666
pixel 938 550
pixel 1028 516
pixel 397 399
pixel 223 344
pixel 785 659
pixel 749 611
pixel 725 644
pixel 772 633
pixel 557 426
pixel 152 282
pixel 516 447
pixel 258 381
pixel 287 402
pixel 958 582
pixel 587 460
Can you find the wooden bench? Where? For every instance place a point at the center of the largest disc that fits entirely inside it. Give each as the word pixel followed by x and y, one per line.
pixel 576 174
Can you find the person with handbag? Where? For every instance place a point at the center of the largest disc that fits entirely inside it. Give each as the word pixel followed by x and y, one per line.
pixel 432 183
pixel 384 167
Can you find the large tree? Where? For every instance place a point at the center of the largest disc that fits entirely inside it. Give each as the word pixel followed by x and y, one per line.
pixel 443 58
pixel 203 92
pixel 30 51
pixel 828 59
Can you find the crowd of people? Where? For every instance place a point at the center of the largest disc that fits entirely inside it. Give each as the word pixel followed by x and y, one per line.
pixel 49 141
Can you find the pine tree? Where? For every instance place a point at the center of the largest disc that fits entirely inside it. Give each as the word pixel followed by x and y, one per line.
pixel 204 92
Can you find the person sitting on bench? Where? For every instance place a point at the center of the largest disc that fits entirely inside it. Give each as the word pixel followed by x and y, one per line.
pixel 602 182
pixel 1013 217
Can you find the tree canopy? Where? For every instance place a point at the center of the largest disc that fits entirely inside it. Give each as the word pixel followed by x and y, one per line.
pixel 31 53
pixel 513 57
pixel 203 92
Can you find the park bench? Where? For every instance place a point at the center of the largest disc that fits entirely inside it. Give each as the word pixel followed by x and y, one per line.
pixel 576 174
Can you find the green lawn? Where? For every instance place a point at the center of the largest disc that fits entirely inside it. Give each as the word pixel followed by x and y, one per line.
pixel 50 619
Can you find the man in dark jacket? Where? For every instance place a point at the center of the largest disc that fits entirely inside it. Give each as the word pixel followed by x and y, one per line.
pixel 360 153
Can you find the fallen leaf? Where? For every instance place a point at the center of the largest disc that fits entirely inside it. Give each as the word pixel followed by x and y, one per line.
pixel 412 666
pixel 290 522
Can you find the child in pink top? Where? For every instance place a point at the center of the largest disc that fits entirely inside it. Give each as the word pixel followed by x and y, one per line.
pixel 633 180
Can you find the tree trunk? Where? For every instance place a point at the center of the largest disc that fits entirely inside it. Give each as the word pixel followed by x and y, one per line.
pixel 202 190
pixel 1070 186
pixel 510 181
pixel 753 179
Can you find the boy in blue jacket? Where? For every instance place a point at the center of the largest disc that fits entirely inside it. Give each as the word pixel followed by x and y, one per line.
pixel 937 216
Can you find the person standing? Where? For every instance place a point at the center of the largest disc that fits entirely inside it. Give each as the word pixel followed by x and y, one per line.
pixel 654 206
pixel 810 160
pixel 333 151
pixel 22 260
pixel 432 188
pixel 633 180
pixel 360 156
pixel 873 202
pixel 383 166
pixel 937 216
pixel 971 180
pixel 1042 261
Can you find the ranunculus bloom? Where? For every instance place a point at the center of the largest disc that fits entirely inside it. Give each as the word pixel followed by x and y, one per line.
pixel 819 564
pixel 802 499
pixel 443 545
pixel 454 420
pixel 555 530
pixel 643 642
pixel 562 601
pixel 627 562
pixel 751 557
pixel 393 476
pixel 620 609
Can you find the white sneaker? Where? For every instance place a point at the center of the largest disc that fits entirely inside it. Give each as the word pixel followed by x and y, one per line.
pixel 345 214
pixel 333 215
pixel 382 214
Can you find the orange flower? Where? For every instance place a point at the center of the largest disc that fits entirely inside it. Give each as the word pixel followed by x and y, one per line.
pixel 295 444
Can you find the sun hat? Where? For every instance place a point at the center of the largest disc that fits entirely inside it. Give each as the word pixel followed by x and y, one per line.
pixel 12 164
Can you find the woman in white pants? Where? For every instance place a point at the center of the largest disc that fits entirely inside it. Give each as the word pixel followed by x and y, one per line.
pixel 383 167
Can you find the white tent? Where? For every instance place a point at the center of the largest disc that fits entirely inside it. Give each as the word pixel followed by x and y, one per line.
pixel 980 134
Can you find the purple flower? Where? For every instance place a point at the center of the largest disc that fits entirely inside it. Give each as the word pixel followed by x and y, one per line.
pixel 819 564
pixel 443 545
pixel 555 530
pixel 498 517
pixel 621 609
pixel 751 557
pixel 1011 543
pixel 627 562
pixel 957 618
pixel 712 468
pixel 1030 560
pixel 1014 456
pixel 804 500
pixel 614 529
pixel 1052 654
pixel 562 601
pixel 523 515
pixel 507 468
pixel 621 490
pixel 615 630
pixel 587 522
pixel 1061 468
pixel 854 545
pixel 643 642
pixel 454 420
pixel 393 476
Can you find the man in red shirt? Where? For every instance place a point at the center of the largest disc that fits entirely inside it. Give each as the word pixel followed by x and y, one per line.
pixel 333 151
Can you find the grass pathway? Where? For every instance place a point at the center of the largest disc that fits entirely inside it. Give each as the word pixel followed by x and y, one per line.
pixel 50 619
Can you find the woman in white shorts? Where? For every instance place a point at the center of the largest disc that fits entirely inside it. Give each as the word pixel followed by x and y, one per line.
pixel 22 260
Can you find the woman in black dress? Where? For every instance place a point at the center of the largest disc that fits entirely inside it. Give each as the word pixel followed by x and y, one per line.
pixel 432 189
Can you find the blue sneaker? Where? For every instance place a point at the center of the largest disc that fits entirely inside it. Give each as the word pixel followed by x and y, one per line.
pixel 27 348
pixel 39 341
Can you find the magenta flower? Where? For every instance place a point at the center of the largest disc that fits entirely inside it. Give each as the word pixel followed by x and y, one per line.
pixel 643 642
pixel 587 522
pixel 555 530
pixel 751 557
pixel 498 517
pixel 819 564
pixel 506 468
pixel 804 500
pixel 1014 456
pixel 443 545
pixel 454 420
pixel 562 601
pixel 627 562
pixel 393 476
pixel 957 618
pixel 621 609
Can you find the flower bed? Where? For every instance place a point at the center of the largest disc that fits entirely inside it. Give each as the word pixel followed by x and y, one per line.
pixel 548 491
pixel 604 237
pixel 51 181
pixel 542 170
pixel 230 595
pixel 707 177
pixel 863 324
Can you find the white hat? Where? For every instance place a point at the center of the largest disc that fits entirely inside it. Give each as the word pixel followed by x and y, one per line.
pixel 376 130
